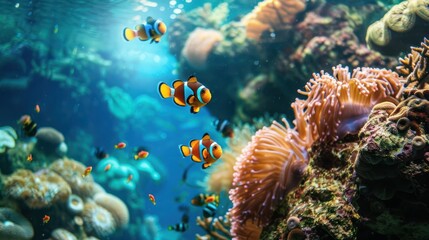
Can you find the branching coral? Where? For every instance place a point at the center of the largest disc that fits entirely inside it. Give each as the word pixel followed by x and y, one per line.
pixel 272 15
pixel 37 190
pixel 339 105
pixel 216 228
pixel 270 166
pixel 416 66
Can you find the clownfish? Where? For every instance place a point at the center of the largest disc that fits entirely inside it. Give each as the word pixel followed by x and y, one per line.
pixel 29 127
pixel 224 127
pixel 191 92
pixel 179 227
pixel 151 29
pixel 46 219
pixel 152 199
pixel 87 171
pixel 120 145
pixel 205 149
pixel 204 198
pixel 210 209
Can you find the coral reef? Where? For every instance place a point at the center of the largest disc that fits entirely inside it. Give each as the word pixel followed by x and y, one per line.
pixel 75 204
pixel 403 25
pixel 393 169
pixel 62 234
pixel 416 67
pixel 37 190
pixel 290 46
pixel 14 226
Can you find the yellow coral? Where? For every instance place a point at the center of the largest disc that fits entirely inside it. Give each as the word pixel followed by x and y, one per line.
pixel 37 190
pixel 72 171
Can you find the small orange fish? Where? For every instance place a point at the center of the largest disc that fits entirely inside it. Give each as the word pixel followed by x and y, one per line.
pixel 205 150
pixel 37 108
pixel 210 199
pixel 46 219
pixel 141 155
pixel 120 145
pixel 107 168
pixel 130 177
pixel 152 199
pixel 30 157
pixel 88 170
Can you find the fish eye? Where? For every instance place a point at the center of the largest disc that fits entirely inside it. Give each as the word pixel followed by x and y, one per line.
pixel 215 147
pixel 203 91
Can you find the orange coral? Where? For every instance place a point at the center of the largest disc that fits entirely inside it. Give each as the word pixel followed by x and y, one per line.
pixel 272 15
pixel 199 45
pixel 339 105
pixel 270 166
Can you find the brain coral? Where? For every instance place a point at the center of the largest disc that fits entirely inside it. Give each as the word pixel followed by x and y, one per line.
pixel 38 190
pixel 14 226
pixel 270 166
pixel 115 206
pixel 7 138
pixel 97 220
pixel 199 45
pixel 71 171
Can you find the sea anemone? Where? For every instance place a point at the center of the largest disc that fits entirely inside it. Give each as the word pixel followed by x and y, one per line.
pixel 339 105
pixel 270 166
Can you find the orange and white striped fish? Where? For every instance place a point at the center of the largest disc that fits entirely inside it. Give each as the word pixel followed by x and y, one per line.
pixel 191 93
pixel 205 149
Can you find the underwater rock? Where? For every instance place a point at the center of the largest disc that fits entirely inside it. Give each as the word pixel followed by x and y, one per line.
pixel 115 206
pixel 7 138
pixel 37 190
pixel 14 226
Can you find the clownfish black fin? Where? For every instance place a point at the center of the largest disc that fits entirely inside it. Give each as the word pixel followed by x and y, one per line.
pixel 195 110
pixel 192 78
pixel 129 34
pixel 185 150
pixel 164 90
pixel 206 165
